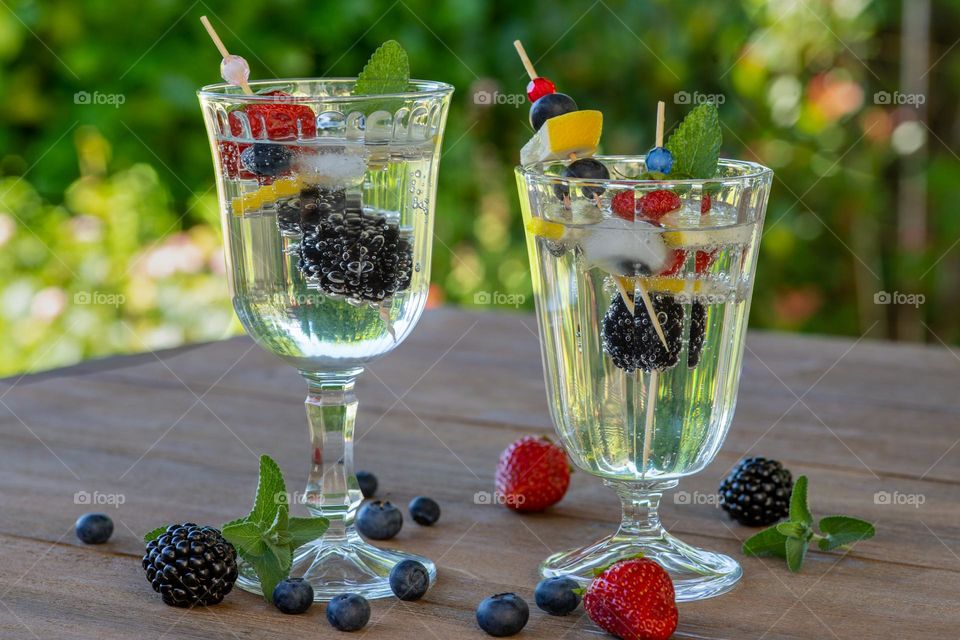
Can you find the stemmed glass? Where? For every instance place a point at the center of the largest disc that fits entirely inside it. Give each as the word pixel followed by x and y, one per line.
pixel 634 408
pixel 327 205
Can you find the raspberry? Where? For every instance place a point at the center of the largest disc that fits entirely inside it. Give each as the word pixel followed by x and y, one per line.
pixel 704 260
pixel 675 263
pixel 624 205
pixel 705 203
pixel 657 204
pixel 539 87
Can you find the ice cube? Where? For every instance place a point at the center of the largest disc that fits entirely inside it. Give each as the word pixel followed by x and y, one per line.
pixel 338 166
pixel 622 247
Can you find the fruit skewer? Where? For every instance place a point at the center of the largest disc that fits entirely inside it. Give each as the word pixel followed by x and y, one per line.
pixel 234 69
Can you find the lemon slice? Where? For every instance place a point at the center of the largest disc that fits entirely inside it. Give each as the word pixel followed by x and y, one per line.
pixel 695 288
pixel 709 238
pixel 545 229
pixel 254 200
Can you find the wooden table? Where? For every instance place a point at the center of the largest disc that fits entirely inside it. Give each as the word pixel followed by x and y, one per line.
pixel 176 434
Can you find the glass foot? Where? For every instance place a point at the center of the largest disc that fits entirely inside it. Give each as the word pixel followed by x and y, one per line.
pixel 350 565
pixel 697 574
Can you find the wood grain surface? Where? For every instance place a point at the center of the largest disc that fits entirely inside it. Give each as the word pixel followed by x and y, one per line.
pixel 175 436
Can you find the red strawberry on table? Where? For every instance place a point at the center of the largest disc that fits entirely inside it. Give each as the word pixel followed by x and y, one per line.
pixel 532 474
pixel 634 600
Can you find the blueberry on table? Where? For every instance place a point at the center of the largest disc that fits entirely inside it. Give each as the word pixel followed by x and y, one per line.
pixel 659 159
pixel 409 580
pixel 424 510
pixel 367 482
pixel 293 595
pixel 94 528
pixel 265 159
pixel 548 106
pixel 379 520
pixel 504 614
pixel 348 612
pixel 585 168
pixel 556 595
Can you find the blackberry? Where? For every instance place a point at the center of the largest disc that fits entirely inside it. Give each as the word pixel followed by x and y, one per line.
pixel 698 332
pixel 757 492
pixel 631 340
pixel 354 254
pixel 313 205
pixel 190 565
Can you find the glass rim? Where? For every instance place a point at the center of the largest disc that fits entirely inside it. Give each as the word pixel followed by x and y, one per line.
pixel 534 171
pixel 217 91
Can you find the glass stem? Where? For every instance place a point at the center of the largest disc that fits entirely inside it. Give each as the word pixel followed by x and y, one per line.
pixel 640 501
pixel 332 490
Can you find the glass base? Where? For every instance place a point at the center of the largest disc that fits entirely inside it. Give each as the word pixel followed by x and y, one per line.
pixel 349 565
pixel 697 574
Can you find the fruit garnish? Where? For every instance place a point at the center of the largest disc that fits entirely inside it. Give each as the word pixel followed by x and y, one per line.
pixel 633 599
pixel 656 204
pixel 263 159
pixel 539 87
pixel 584 168
pixel 268 535
pixel 790 539
pixel 550 106
pixel 674 263
pixel 695 144
pixel 659 160
pixel 703 260
pixel 708 238
pixel 545 229
pixel 757 492
pixel 387 71
pixel 631 340
pixel 282 188
pixel 282 120
pixel 189 565
pixel 624 204
pixel 576 132
pixel 532 474
pixel 705 203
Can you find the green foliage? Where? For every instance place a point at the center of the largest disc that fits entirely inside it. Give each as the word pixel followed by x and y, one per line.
pixel 106 184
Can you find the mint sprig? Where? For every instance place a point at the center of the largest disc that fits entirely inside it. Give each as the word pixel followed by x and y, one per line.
pixel 267 537
pixel 387 71
pixel 695 144
pixel 790 539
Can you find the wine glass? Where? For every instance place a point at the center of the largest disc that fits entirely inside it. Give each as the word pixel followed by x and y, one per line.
pixel 327 205
pixel 635 408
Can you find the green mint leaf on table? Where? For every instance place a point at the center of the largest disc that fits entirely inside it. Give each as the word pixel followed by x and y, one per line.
pixel 695 144
pixel 769 542
pixel 268 536
pixel 387 71
pixel 153 535
pixel 796 549
pixel 799 511
pixel 795 530
pixel 842 530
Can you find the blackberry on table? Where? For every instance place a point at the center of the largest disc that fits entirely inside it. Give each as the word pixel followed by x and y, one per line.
pixel 190 565
pixel 698 332
pixel 631 340
pixel 757 492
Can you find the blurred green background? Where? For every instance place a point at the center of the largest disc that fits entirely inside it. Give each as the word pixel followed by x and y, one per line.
pixel 109 240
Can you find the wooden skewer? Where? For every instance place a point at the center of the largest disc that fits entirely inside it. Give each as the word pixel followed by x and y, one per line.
pixel 222 48
pixel 661 109
pixel 648 422
pixel 525 59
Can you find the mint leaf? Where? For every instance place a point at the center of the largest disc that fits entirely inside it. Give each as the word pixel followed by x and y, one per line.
pixel 799 511
pixel 695 144
pixel 247 538
pixel 841 530
pixel 387 71
pixel 271 492
pixel 794 530
pixel 154 534
pixel 271 568
pixel 304 530
pixel 768 542
pixel 796 550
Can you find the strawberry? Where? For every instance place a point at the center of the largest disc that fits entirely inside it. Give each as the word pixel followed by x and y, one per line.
pixel 705 204
pixel 675 263
pixel 624 205
pixel 634 600
pixel 272 121
pixel 532 474
pixel 657 204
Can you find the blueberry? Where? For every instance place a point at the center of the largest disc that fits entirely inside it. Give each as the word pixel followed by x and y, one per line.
pixel 503 614
pixel 424 510
pixel 409 580
pixel 266 159
pixel 379 520
pixel 556 595
pixel 659 159
pixel 367 482
pixel 587 168
pixel 293 595
pixel 94 528
pixel 348 612
pixel 550 105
